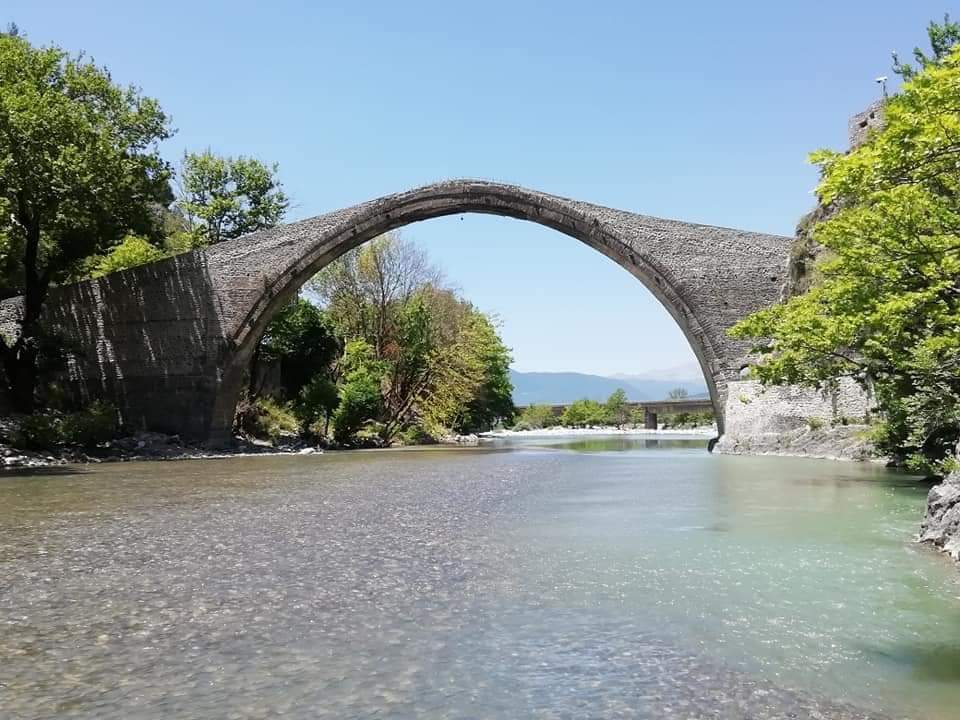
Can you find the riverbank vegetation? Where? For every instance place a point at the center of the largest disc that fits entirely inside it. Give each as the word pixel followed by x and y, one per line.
pixel 615 412
pixel 389 352
pixel 883 305
pixel 379 348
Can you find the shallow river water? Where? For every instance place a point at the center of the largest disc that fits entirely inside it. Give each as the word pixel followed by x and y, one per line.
pixel 598 578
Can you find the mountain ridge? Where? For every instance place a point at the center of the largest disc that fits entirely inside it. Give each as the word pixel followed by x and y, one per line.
pixel 559 388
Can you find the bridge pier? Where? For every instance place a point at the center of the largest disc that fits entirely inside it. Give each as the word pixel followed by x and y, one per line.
pixel 649 420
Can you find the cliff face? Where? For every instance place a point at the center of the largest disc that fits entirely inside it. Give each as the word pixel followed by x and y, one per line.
pixel 805 252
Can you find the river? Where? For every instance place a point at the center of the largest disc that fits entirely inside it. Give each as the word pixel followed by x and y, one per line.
pixel 560 578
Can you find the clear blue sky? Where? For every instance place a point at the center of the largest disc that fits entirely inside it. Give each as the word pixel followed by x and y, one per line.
pixel 698 111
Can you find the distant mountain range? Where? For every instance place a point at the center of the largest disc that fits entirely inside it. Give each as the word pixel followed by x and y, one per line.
pixel 558 388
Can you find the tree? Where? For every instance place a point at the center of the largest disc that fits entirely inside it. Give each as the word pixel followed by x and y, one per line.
pixel 79 169
pixel 131 252
pixel 359 397
pixel 942 36
pixel 365 289
pixel 678 393
pixel 535 417
pixel 224 197
pixel 617 410
pixel 584 412
pixel 303 341
pixel 493 398
pixel 884 309
pixel 318 399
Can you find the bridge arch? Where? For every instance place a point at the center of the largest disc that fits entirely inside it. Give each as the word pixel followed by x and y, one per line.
pixel 173 339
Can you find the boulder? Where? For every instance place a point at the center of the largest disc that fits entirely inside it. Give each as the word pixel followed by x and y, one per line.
pixel 941 525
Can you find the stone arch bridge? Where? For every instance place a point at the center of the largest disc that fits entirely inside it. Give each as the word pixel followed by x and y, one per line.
pixel 169 342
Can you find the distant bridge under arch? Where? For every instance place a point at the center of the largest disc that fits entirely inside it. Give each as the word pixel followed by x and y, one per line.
pixel 169 342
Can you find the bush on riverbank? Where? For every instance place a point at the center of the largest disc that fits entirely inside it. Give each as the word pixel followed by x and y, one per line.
pixel 95 425
pixel 266 419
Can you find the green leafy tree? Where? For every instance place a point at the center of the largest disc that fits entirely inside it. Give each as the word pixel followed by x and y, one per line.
pixel 884 309
pixel 366 290
pixel 303 341
pixel 536 416
pixel 492 399
pixel 617 410
pixel 360 398
pixel 584 412
pixel 79 169
pixel 317 401
pixel 943 38
pixel 224 197
pixel 131 252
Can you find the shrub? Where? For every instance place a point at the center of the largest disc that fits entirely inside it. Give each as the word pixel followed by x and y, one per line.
pixel 535 417
pixel 265 418
pixel 415 435
pixel 815 423
pixel 360 401
pixel 38 432
pixel 316 403
pixel 97 424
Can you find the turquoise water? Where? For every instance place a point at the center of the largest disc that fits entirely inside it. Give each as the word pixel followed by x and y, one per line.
pixel 599 577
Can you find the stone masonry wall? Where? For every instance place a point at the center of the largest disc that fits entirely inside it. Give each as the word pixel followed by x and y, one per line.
pixel 791 420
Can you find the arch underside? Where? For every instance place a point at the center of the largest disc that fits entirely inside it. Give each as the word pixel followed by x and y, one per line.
pixel 167 338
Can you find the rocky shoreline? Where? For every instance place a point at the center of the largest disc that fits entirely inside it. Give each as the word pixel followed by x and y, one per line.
pixel 941 524
pixel 145 446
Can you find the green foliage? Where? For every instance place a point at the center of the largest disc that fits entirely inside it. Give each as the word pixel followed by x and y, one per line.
pixel 535 417
pixel 303 341
pixel 316 402
pixel 583 413
pixel 366 290
pixel 444 367
pixel 266 418
pixel 79 169
pixel 360 398
pixel 38 432
pixel 224 197
pixel 492 399
pixel 96 424
pixel 131 252
pixel 687 420
pixel 884 309
pixel 616 409
pixel 815 423
pixel 943 38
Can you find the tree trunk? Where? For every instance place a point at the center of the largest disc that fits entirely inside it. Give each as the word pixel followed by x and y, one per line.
pixel 20 366
pixel 252 390
pixel 20 360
